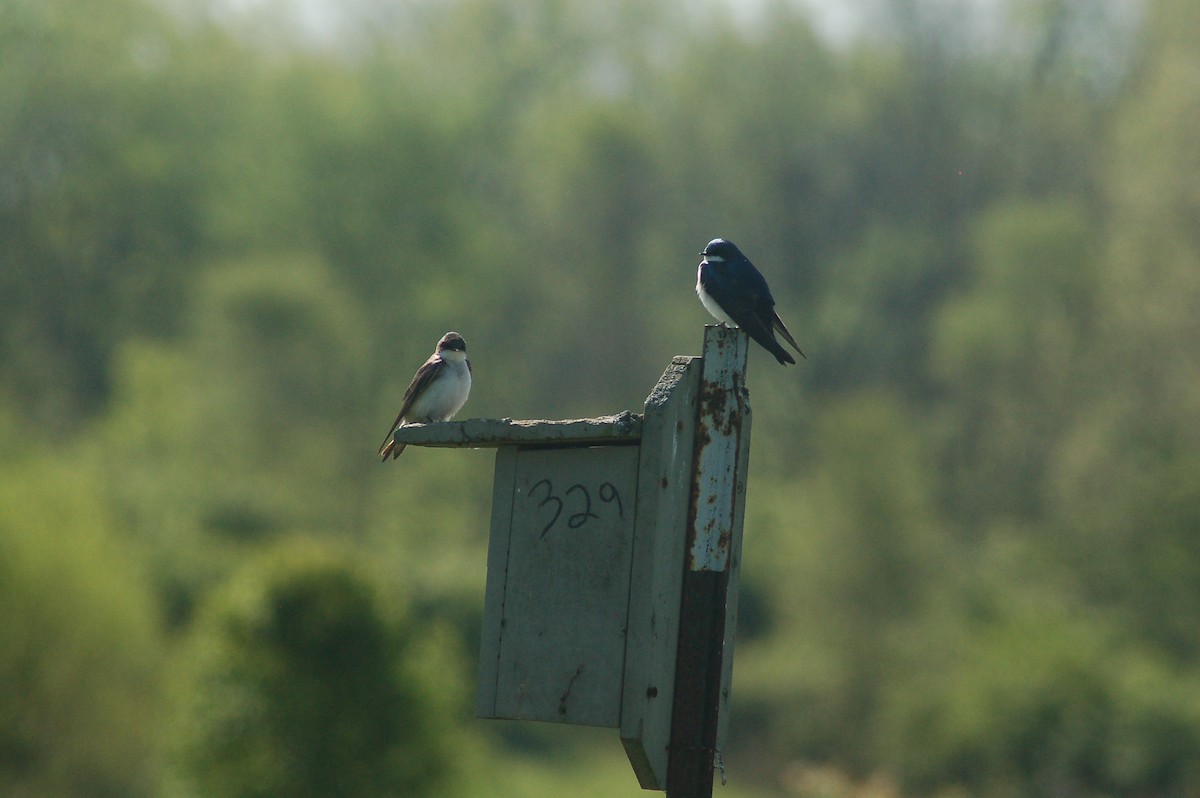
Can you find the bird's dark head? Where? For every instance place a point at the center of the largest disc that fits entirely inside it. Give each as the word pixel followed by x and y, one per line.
pixel 452 342
pixel 719 250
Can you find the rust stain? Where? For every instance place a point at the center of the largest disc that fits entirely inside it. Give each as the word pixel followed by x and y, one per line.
pixel 723 407
pixel 719 414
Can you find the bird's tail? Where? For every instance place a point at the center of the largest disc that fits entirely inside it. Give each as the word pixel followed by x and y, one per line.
pixel 781 354
pixel 782 329
pixel 390 448
pixel 767 341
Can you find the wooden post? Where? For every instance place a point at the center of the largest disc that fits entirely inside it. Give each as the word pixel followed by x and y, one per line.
pixel 708 603
pixel 665 480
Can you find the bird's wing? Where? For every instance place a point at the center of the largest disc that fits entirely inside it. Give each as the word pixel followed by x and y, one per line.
pixel 737 297
pixel 425 375
pixel 747 301
pixel 782 329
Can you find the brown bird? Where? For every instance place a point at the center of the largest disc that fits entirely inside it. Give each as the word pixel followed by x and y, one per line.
pixel 438 390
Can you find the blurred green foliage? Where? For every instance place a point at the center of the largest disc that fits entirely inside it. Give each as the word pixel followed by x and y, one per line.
pixel 228 235
pixel 81 651
pixel 301 681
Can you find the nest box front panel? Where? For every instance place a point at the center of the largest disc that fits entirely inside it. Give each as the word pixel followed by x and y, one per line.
pixel 561 583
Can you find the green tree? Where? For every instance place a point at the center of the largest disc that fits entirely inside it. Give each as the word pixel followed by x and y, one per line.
pixel 103 174
pixel 1128 470
pixel 1015 348
pixel 1019 687
pixel 254 423
pixel 853 558
pixel 80 652
pixel 304 680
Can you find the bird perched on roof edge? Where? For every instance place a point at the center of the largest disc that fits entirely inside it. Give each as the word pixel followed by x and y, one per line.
pixel 438 390
pixel 734 292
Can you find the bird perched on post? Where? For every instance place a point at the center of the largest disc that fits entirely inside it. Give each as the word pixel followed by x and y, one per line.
pixel 734 292
pixel 438 390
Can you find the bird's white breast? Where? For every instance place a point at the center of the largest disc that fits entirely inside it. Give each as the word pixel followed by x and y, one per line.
pixel 447 394
pixel 709 303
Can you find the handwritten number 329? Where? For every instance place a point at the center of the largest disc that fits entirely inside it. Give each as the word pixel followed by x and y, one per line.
pixel 607 492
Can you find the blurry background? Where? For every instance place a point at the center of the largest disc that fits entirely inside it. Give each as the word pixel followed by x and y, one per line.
pixel 231 230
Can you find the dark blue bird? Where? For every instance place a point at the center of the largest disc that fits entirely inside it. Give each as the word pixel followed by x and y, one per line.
pixel 735 293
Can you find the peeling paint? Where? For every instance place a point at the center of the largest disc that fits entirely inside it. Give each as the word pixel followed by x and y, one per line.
pixel 721 408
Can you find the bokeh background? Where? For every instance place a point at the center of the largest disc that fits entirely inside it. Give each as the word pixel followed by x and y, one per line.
pixel 230 231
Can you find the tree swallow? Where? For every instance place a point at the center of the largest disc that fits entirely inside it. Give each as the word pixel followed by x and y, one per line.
pixel 439 389
pixel 735 293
